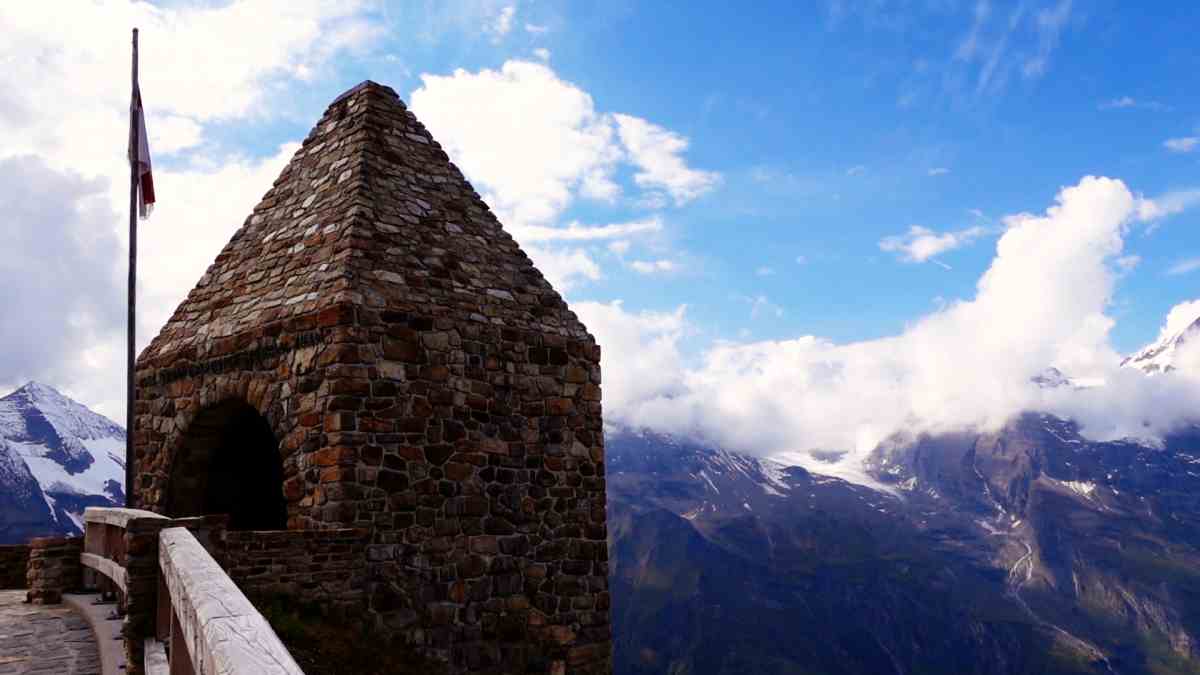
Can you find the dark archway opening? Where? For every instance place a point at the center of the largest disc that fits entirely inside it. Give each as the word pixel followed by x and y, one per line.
pixel 229 464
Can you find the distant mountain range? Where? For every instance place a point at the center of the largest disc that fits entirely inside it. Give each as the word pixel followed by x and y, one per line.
pixel 1027 550
pixel 56 458
pixel 1030 550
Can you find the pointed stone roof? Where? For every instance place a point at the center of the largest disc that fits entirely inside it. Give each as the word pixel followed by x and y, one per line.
pixel 369 215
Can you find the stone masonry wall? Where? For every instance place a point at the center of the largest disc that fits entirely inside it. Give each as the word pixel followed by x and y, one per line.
pixel 323 567
pixel 54 568
pixel 426 384
pixel 14 562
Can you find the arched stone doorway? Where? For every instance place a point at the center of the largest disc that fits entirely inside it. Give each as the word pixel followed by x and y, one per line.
pixel 229 463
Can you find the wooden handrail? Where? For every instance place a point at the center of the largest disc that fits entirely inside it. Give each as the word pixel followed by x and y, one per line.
pixel 211 627
pixel 223 632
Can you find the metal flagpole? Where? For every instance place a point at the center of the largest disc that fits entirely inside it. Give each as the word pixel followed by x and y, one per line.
pixel 133 206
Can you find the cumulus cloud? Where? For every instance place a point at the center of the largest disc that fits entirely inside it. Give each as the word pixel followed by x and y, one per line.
pixel 565 268
pixel 567 149
pixel 657 152
pixel 640 351
pixel 939 171
pixel 920 244
pixel 86 51
pixel 550 124
pixel 1042 302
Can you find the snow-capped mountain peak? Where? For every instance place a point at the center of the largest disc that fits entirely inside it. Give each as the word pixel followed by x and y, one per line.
pixel 75 458
pixel 65 416
pixel 1165 354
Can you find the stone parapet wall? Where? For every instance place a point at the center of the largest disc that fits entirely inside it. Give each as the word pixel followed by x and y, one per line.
pixel 326 568
pixel 53 568
pixel 14 563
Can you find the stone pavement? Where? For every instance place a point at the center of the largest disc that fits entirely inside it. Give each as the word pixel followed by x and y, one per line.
pixel 49 639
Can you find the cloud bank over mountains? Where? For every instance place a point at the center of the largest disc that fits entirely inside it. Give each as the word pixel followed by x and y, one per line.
pixel 1043 301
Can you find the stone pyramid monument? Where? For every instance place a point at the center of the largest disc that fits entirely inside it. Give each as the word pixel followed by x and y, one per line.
pixel 372 351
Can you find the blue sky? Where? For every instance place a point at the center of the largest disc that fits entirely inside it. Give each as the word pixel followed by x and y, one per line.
pixel 772 215
pixel 834 126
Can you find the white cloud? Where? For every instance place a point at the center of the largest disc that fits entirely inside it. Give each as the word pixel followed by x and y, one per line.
pixel 542 53
pixel 856 170
pixel 765 271
pixel 760 306
pixel 1183 144
pixel 226 55
pixel 64 97
pixel 1127 263
pixel 543 146
pixel 620 247
pixel 1180 317
pixel 1126 102
pixel 920 244
pixel 502 23
pixel 564 268
pixel 551 125
pixel 657 152
pixel 1049 23
pixel 567 147
pixel 536 29
pixel 1003 43
pixel 653 266
pixel 1184 266
pixel 967 364
pixel 640 351
pixel 1165 205
pixel 576 232
pixel 1122 102
pixel 62 265
pixel 939 171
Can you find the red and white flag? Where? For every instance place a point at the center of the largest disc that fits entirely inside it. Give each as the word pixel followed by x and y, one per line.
pixel 141 154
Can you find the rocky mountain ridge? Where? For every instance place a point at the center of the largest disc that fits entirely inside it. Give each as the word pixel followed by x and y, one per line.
pixel 1024 551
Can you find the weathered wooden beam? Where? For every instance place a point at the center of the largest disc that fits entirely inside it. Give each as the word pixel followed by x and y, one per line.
pixel 224 633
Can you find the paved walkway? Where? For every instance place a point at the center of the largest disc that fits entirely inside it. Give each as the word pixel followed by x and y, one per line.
pixel 44 639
